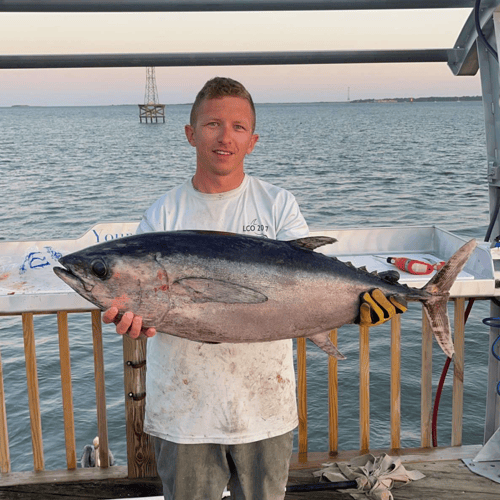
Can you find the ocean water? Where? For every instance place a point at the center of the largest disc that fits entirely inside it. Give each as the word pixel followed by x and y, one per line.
pixel 349 165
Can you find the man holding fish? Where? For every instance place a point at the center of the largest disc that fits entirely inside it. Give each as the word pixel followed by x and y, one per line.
pixel 224 414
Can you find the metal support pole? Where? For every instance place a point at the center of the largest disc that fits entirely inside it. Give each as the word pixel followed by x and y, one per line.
pixel 221 5
pixel 489 71
pixel 222 59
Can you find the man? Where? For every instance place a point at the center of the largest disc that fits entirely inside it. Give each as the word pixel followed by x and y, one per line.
pixel 224 413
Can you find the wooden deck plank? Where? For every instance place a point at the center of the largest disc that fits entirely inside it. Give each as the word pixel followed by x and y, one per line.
pixel 104 489
pixel 446 479
pixel 450 480
pixel 315 461
pixel 63 476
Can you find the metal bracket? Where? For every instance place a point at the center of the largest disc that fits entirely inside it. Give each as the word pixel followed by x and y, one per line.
pixel 136 397
pixel 491 470
pixel 136 365
pixel 494 173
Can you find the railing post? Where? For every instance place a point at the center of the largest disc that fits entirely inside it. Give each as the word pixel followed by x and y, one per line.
pixel 458 373
pixel 140 453
pixel 426 394
pixel 100 389
pixel 333 399
pixel 4 436
pixel 364 387
pixel 67 390
pixel 33 391
pixel 302 396
pixel 396 382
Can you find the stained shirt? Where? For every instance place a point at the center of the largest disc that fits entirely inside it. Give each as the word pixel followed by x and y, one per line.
pixel 222 393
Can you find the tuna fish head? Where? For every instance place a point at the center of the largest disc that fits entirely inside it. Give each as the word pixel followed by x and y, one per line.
pixel 115 277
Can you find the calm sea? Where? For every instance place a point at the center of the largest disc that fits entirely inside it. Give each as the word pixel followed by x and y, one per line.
pixel 349 165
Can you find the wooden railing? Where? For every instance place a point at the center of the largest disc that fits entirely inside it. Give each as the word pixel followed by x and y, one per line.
pixel 139 450
pixel 395 393
pixel 140 458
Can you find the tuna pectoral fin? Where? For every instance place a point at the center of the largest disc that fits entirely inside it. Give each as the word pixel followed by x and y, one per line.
pixel 212 290
pixel 322 340
pixel 437 314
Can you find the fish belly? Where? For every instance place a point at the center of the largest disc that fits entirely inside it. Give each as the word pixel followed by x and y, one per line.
pixel 291 315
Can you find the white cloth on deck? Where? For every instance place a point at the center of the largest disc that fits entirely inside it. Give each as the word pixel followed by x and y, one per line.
pixel 375 476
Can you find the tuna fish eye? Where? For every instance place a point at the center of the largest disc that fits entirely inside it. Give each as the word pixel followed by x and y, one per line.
pixel 99 269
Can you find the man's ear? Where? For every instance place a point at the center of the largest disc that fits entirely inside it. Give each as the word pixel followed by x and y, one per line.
pixel 189 131
pixel 252 144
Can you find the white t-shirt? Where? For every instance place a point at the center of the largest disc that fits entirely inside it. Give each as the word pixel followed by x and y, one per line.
pixel 222 393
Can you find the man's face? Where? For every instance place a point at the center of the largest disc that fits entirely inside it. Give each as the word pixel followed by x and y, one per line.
pixel 222 135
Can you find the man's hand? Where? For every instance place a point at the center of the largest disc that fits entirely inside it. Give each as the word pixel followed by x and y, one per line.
pixel 129 324
pixel 376 308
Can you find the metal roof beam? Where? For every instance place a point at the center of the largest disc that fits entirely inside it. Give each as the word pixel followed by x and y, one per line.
pixel 464 59
pixel 221 5
pixel 221 59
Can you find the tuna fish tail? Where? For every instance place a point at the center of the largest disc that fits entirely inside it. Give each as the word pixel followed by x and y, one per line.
pixel 439 287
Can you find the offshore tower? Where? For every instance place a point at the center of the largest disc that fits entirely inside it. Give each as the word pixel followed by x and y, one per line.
pixel 151 109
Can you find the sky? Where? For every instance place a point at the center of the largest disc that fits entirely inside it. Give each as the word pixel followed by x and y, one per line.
pixel 61 33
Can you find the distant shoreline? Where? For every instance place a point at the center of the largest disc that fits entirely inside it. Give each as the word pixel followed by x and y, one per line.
pixel 419 99
pixel 356 101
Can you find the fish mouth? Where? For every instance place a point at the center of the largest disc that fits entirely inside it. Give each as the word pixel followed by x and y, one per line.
pixel 73 280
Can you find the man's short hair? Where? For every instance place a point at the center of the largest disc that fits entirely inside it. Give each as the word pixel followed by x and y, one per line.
pixel 219 87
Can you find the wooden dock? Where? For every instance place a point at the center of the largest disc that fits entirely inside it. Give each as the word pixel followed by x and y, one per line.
pixel 446 478
pixel 446 475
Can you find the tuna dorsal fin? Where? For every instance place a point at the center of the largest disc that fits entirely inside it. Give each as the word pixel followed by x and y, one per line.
pixel 212 290
pixel 313 242
pixel 322 340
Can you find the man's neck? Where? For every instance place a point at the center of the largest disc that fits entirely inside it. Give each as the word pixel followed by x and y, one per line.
pixel 216 184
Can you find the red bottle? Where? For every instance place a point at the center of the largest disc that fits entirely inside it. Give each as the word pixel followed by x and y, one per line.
pixel 411 266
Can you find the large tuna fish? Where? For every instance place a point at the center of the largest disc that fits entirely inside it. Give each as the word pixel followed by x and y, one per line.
pixel 223 287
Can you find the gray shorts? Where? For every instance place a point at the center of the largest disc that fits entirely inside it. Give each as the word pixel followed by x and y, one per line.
pixel 252 471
